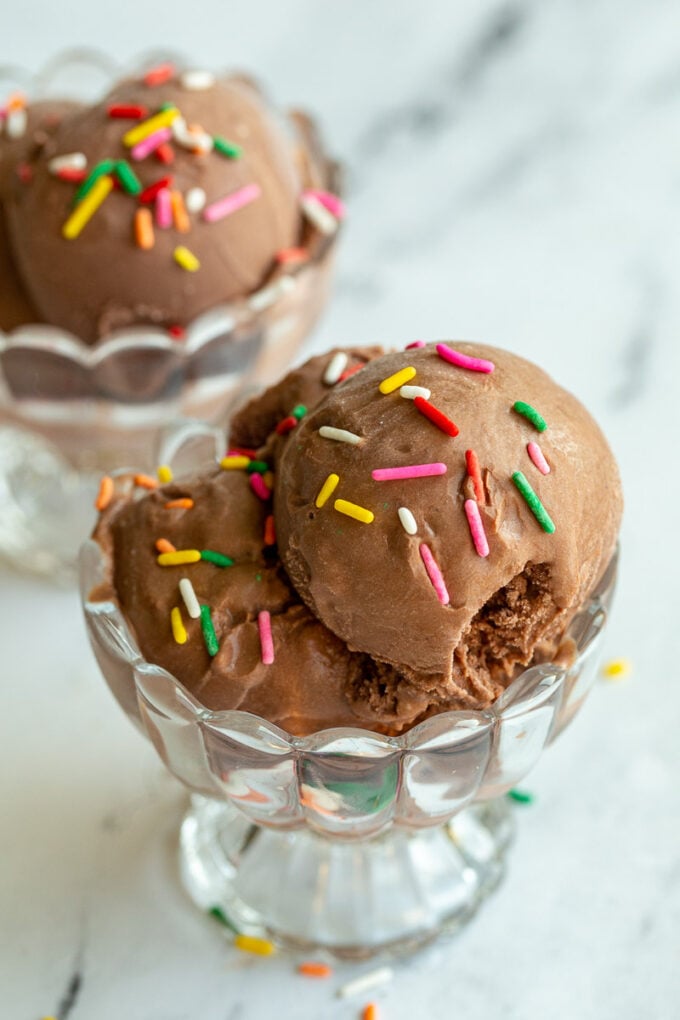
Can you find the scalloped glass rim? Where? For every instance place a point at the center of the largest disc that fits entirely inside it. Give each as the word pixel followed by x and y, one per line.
pixel 208 326
pixel 585 628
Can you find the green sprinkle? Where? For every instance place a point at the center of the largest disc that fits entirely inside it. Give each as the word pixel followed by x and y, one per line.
pixel 533 502
pixel 105 167
pixel 166 106
pixel 209 635
pixel 128 178
pixel 219 559
pixel 299 411
pixel 258 577
pixel 257 467
pixel 521 796
pixel 220 916
pixel 226 148
pixel 531 414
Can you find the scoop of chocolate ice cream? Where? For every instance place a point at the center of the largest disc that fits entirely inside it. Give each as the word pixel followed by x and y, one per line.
pixel 234 173
pixel 389 599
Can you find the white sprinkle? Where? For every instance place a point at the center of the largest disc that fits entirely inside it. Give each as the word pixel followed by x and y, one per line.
pixel 370 980
pixel 269 295
pixel 194 199
pixel 408 521
pixel 341 435
pixel 71 161
pixel 336 366
pixel 186 590
pixel 197 81
pixel 16 123
pixel 189 139
pixel 411 392
pixel 318 215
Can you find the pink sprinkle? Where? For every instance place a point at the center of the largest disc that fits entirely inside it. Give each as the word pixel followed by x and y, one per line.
pixel 164 209
pixel 411 471
pixel 435 574
pixel 476 527
pixel 230 203
pixel 463 360
pixel 147 145
pixel 259 488
pixel 264 624
pixel 331 202
pixel 536 454
pixel 416 343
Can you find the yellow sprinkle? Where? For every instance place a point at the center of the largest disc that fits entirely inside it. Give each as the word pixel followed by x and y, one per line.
pixel 174 559
pixel 86 209
pixel 393 382
pixel 178 629
pixel 327 490
pixel 186 259
pixel 268 479
pixel 251 944
pixel 142 131
pixel 164 473
pixel 616 669
pixel 235 462
pixel 359 513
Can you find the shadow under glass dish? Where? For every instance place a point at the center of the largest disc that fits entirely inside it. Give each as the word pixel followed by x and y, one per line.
pixel 70 412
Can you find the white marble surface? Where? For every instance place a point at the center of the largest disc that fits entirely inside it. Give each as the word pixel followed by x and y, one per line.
pixel 516 178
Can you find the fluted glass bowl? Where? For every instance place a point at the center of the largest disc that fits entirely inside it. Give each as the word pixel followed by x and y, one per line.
pixel 345 839
pixel 70 412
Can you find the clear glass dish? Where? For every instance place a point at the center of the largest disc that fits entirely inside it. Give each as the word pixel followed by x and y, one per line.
pixel 70 412
pixel 346 839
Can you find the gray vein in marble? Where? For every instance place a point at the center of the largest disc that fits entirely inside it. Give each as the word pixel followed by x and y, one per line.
pixel 638 350
pixel 70 996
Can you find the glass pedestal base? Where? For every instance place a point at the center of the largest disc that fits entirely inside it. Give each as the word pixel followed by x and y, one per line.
pixel 354 899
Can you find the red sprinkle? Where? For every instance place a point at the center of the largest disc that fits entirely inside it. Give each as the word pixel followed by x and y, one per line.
pixel 241 451
pixel 310 968
pixel 129 112
pixel 472 464
pixel 25 173
pixel 177 332
pixel 286 425
pixel 149 193
pixel 269 530
pixel 291 255
pixel 352 370
pixel 159 75
pixel 70 174
pixel 165 153
pixel 436 416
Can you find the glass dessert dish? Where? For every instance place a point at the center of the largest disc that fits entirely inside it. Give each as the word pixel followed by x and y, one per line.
pixel 346 839
pixel 71 411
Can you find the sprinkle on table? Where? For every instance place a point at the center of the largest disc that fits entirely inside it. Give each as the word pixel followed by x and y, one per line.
pixel 476 526
pixel 252 944
pixel 209 635
pixel 164 472
pixel 436 416
pixel 186 259
pixel 533 502
pixel 373 979
pixel 370 1012
pixel 163 545
pixel 521 796
pixel 178 629
pixel 394 474
pixel 398 379
pixel 86 208
pixel 183 503
pixel 145 482
pixel 314 969
pixel 219 559
pixel 336 366
pixel 231 203
pixel 326 490
pixel 411 392
pixel 447 353
pixel 264 626
pixel 531 414
pixel 234 462
pixel 616 669
pixel 473 470
pixel 339 435
pixel 186 590
pixel 408 521
pixel 144 232
pixel 358 513
pixel 105 494
pixel 178 558
pixel 435 575
pixel 538 458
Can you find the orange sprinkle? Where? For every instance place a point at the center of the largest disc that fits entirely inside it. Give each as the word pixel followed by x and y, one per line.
pixel 370 1012
pixel 269 530
pixel 179 504
pixel 316 970
pixel 268 479
pixel 105 494
pixel 472 464
pixel 164 546
pixel 179 212
pixel 351 371
pixel 165 154
pixel 285 255
pixel 144 233
pixel 17 101
pixel 146 482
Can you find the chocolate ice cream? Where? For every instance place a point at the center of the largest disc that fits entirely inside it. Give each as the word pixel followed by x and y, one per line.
pixel 420 547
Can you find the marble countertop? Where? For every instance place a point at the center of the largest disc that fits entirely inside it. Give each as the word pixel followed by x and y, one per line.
pixel 515 177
